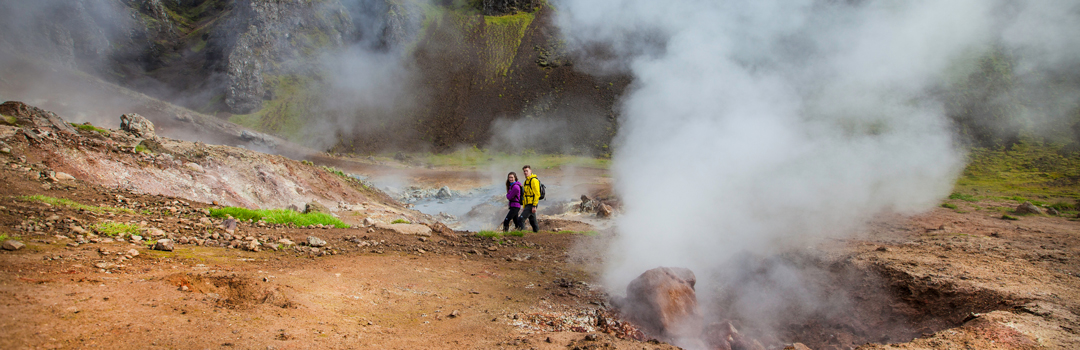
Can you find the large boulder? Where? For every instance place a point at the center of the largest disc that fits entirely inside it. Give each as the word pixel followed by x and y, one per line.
pixel 32 117
pixel 137 125
pixel 316 207
pixel 1028 208
pixel 662 301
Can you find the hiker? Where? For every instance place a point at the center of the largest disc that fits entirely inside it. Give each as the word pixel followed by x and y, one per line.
pixel 531 199
pixel 514 195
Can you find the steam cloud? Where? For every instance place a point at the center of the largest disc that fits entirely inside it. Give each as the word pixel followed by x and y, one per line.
pixel 756 127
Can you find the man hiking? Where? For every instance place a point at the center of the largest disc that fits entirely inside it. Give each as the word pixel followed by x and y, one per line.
pixel 531 199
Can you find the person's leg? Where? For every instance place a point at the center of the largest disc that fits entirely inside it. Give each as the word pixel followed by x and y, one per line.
pixel 526 212
pixel 518 225
pixel 510 215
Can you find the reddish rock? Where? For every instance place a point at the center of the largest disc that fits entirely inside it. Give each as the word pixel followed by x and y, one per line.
pixel 442 229
pixel 662 301
pixel 604 210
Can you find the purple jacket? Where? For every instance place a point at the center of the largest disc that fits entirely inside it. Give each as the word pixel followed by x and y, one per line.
pixel 514 195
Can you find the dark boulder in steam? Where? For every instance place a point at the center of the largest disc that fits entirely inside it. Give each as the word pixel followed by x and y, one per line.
pixel 662 301
pixel 137 125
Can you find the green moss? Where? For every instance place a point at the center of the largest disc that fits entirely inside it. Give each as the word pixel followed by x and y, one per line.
pixel 1028 169
pixel 199 46
pixel 73 204
pixel 1009 217
pixel 278 216
pixel 9 120
pixel 400 221
pixel 286 115
pixel 502 37
pixel 948 205
pixel 500 233
pixel 141 149
pixel 90 128
pixel 114 229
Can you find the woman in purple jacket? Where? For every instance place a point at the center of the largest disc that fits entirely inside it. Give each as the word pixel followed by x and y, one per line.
pixel 513 194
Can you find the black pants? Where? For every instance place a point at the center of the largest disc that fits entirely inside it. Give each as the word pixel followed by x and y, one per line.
pixel 526 212
pixel 512 215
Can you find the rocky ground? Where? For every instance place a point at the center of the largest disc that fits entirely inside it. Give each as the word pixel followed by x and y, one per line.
pixel 961 278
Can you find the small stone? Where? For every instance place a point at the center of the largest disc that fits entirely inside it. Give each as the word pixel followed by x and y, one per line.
pixel 194 167
pixel 156 232
pixel 1052 211
pixel 5 150
pixel 62 176
pixel 368 221
pixel 164 245
pixel 12 244
pixel 136 238
pixel 76 229
pixel 285 242
pixel 444 193
pixel 315 241
pixel 229 225
pixel 133 252
pixel 492 248
pixel 454 314
pixel 604 210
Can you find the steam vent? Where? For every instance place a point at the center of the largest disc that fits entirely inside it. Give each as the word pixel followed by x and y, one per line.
pixel 662 301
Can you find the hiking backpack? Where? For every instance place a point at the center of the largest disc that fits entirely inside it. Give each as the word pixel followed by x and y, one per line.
pixel 543 190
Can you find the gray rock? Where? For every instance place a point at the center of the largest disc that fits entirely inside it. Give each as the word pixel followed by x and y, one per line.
pixel 12 244
pixel 315 207
pixel 315 241
pixel 285 242
pixel 30 117
pixel 164 245
pixel 1053 211
pixel 368 221
pixel 229 225
pixel 444 193
pixel 137 125
pixel 1028 208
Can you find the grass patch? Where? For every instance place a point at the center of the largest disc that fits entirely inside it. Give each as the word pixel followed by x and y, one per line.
pixel 486 234
pixel 287 114
pixel 141 149
pixel 1027 169
pixel 948 205
pixel 4 237
pixel 963 197
pixel 113 229
pixel 477 157
pixel 90 128
pixel 400 221
pixel 9 120
pixel 73 204
pixel 1009 217
pixel 278 216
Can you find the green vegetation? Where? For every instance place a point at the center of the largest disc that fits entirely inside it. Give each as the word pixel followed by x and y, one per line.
pixel 963 197
pixel 73 204
pixel 141 149
pixel 287 114
pixel 337 172
pixel 4 237
pixel 948 205
pixel 400 221
pixel 278 216
pixel 502 37
pixel 90 128
pixel 486 234
pixel 476 157
pixel 9 120
pixel 1027 170
pixel 1009 217
pixel 113 229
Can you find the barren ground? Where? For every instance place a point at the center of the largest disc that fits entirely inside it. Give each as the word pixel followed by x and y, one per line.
pixel 946 279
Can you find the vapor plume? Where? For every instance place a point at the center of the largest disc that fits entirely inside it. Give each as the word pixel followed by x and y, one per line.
pixel 756 127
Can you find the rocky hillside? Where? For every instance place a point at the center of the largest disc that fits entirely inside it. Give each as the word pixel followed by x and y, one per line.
pixel 283 67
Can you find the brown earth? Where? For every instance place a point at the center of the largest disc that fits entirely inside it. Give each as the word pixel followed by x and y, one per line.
pixel 946 279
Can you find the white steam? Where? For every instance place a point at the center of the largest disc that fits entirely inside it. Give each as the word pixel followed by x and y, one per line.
pixel 760 126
